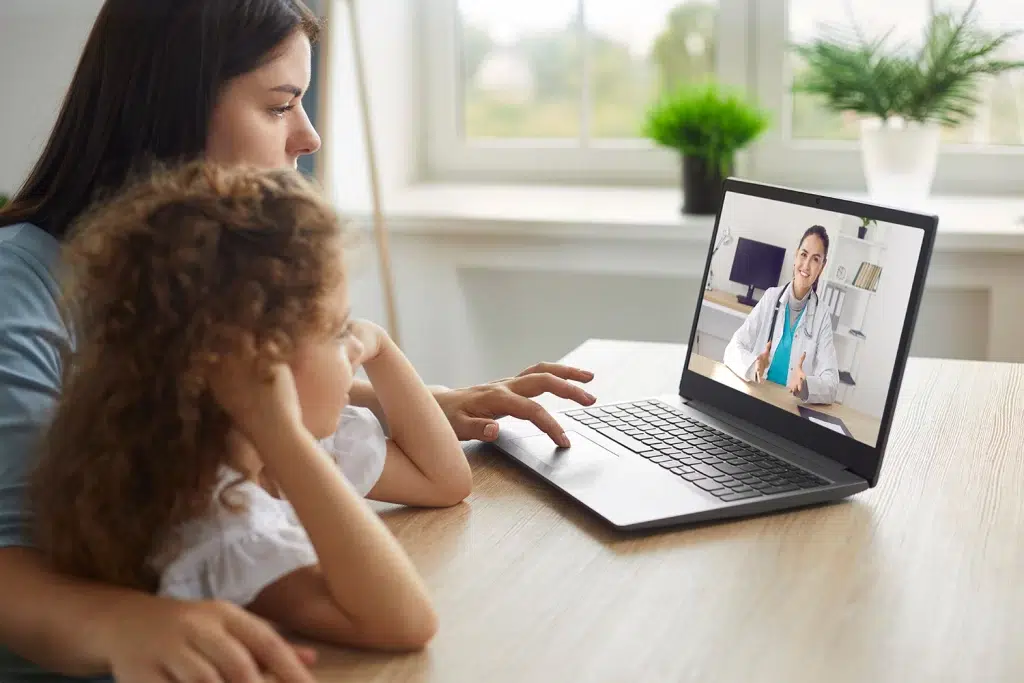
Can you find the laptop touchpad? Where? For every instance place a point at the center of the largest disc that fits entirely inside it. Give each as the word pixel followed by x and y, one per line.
pixel 584 452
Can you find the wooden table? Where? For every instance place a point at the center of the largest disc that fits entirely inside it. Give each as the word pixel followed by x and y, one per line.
pixel 863 427
pixel 920 579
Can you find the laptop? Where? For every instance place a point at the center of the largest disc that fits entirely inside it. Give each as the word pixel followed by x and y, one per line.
pixel 727 445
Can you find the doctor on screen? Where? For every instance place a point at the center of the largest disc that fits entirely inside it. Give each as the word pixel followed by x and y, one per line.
pixel 786 339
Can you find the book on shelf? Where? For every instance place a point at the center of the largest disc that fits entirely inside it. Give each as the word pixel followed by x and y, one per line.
pixel 868 276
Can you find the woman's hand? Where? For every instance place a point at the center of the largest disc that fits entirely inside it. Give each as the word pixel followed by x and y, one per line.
pixel 763 362
pixel 159 640
pixel 473 411
pixel 799 378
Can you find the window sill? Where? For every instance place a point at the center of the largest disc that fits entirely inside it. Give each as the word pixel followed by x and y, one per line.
pixel 968 223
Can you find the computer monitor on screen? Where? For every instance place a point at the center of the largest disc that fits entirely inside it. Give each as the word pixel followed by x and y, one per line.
pixel 757 265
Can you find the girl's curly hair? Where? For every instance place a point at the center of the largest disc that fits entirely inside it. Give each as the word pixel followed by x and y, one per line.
pixel 167 277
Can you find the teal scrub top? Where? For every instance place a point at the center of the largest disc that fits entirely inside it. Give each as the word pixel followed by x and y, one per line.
pixel 778 372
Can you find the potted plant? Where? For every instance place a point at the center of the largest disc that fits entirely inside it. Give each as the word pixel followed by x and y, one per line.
pixel 903 95
pixel 707 125
pixel 3 200
pixel 862 229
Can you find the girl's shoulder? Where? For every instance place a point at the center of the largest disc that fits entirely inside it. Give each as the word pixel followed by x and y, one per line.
pixel 246 541
pixel 359 447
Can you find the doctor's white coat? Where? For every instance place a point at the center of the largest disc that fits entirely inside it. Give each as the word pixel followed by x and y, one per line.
pixel 821 365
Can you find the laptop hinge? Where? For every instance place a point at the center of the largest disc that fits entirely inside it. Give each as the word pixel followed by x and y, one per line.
pixel 756 433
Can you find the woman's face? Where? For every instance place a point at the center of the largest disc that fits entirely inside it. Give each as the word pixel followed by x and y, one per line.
pixel 259 119
pixel 810 261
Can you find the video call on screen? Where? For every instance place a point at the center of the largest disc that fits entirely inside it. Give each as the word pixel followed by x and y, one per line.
pixel 804 309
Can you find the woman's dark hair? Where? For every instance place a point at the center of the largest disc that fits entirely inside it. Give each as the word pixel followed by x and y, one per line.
pixel 143 92
pixel 822 234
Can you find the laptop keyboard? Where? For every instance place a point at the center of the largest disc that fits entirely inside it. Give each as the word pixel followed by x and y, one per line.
pixel 716 462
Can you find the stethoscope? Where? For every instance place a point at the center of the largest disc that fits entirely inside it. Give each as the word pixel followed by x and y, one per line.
pixel 775 314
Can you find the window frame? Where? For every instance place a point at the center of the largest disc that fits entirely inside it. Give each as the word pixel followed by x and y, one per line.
pixel 751 53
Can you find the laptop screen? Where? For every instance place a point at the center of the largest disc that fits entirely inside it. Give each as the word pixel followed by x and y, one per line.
pixel 805 307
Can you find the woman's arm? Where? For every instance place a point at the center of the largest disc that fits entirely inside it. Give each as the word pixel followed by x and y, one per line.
pixel 823 385
pixel 82 628
pixel 53 620
pixel 741 352
pixel 425 464
pixel 473 411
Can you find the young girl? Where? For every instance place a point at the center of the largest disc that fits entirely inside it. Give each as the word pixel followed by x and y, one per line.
pixel 214 349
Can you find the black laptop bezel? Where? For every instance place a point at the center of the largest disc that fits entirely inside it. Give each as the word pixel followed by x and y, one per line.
pixel 859 458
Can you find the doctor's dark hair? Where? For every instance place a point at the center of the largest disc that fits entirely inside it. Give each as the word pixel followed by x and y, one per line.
pixel 822 234
pixel 144 92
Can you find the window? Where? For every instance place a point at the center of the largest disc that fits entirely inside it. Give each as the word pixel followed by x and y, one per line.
pixel 556 90
pixel 585 72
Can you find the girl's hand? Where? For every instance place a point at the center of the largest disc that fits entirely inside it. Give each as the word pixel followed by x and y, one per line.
pixel 258 405
pixel 372 337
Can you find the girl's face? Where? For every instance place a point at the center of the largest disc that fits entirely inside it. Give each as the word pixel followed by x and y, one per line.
pixel 810 261
pixel 324 367
pixel 258 118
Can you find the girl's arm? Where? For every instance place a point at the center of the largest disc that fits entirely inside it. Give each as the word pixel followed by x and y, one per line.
pixel 425 464
pixel 365 591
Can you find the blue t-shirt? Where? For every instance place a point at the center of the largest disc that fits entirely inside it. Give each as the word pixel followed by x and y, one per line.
pixel 33 338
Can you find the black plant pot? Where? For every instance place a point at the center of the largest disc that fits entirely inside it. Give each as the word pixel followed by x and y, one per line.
pixel 862 231
pixel 702 186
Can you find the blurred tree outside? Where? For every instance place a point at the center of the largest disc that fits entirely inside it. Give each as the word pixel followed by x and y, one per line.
pixel 621 84
pixel 533 86
pixel 685 51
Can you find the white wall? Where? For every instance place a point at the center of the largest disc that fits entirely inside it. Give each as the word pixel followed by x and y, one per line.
pixel 40 43
pixel 473 308
pixel 389 37
pixel 766 221
pixel 884 317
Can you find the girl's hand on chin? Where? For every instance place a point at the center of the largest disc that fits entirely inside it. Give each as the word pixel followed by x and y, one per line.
pixel 259 403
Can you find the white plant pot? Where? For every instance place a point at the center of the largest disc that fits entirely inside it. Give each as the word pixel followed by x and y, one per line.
pixel 899 158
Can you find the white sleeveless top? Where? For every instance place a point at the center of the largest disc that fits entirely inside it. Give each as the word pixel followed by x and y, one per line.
pixel 233 556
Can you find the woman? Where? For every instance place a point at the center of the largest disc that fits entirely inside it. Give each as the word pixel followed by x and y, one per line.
pixel 160 80
pixel 786 339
